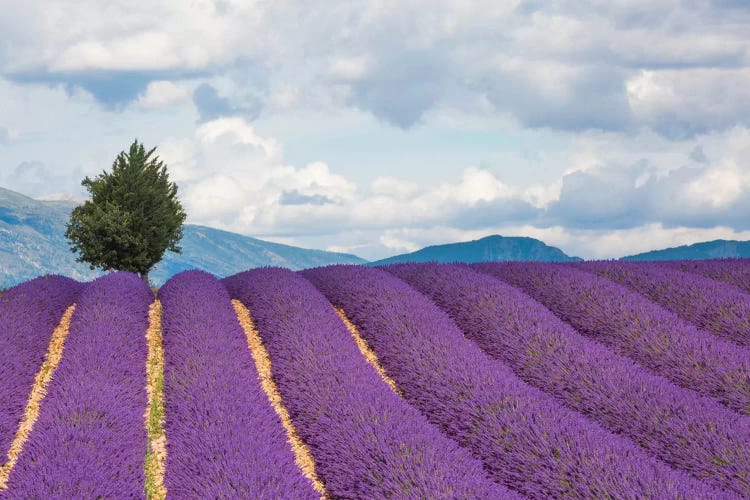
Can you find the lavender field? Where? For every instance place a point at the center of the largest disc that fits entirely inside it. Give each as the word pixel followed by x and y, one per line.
pixel 491 380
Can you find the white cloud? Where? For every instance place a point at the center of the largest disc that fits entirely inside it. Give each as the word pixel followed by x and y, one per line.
pixel 70 137
pixel 394 187
pixel 284 96
pixel 649 179
pixel 162 93
pixel 145 51
pixel 231 177
pixel 123 36
pixel 682 103
pixel 477 185
pixel 540 196
pixel 541 62
pixel 643 105
pixel 238 133
pixel 349 68
pixel 716 187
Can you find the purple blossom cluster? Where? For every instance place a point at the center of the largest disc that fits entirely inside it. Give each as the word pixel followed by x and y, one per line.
pixel 367 442
pixel 29 313
pixel 89 440
pixel 732 271
pixel 717 307
pixel 634 326
pixel 224 439
pixel 526 439
pixel 688 431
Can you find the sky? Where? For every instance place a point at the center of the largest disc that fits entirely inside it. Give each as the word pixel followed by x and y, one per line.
pixel 377 127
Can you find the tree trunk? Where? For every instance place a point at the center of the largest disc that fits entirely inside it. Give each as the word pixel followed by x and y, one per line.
pixel 144 277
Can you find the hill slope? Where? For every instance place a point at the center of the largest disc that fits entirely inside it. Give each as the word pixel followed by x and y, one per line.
pixel 489 248
pixel 717 249
pixel 224 253
pixel 32 243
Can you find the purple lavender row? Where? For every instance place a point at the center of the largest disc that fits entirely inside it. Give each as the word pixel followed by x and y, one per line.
pixel 29 312
pixel 688 431
pixel 634 326
pixel 366 441
pixel 224 439
pixel 717 307
pixel 89 440
pixel 527 440
pixel 733 271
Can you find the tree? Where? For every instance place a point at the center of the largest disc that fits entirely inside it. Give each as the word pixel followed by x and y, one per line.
pixel 132 218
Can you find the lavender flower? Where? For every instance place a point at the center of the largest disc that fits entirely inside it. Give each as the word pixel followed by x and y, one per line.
pixel 223 437
pixel 367 442
pixel 733 271
pixel 717 307
pixel 634 326
pixel 29 312
pixel 90 439
pixel 688 431
pixel 526 440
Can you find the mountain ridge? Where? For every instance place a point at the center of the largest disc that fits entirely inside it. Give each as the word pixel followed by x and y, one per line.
pixel 488 248
pixel 714 249
pixel 32 243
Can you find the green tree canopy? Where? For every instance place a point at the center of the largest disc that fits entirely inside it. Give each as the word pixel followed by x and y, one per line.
pixel 132 218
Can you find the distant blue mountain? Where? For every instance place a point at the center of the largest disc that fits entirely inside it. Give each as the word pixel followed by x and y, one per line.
pixel 717 249
pixel 223 253
pixel 490 248
pixel 32 243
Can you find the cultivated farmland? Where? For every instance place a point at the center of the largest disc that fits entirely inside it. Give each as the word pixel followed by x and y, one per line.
pixel 494 380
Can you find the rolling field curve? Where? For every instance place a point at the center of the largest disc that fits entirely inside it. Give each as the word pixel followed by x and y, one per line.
pixel 495 380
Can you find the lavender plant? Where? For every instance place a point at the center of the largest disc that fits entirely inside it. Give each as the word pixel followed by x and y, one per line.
pixel 223 438
pixel 635 327
pixel 719 308
pixel 733 271
pixel 366 441
pixel 29 312
pixel 526 440
pixel 89 440
pixel 688 431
